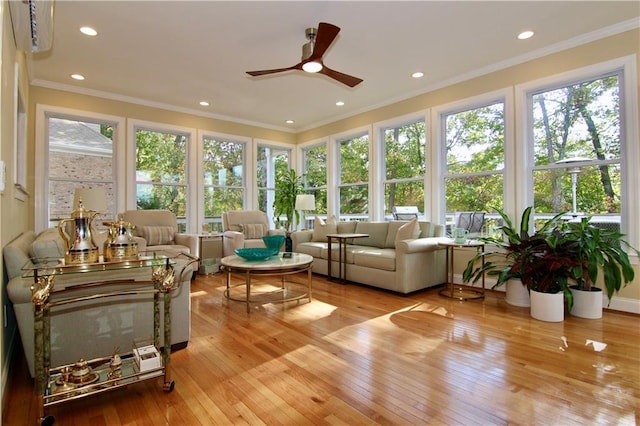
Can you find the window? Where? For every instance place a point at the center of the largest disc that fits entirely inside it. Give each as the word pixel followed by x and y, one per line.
pixel 353 185
pixel 404 166
pixel 314 164
pixel 80 154
pixel 474 152
pixel 161 180
pixel 271 163
pixel 576 149
pixel 224 189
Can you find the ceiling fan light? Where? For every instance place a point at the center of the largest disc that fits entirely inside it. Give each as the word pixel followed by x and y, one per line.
pixel 312 66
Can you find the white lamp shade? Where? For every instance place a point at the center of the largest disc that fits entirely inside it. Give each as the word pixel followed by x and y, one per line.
pixel 94 199
pixel 305 202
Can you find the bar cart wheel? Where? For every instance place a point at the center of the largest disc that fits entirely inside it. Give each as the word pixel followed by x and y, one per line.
pixel 168 386
pixel 47 421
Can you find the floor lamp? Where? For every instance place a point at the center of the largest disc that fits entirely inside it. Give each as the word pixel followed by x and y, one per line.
pixel 304 203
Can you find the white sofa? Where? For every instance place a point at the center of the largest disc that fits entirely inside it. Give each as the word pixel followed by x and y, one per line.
pixel 95 328
pixel 245 228
pixel 380 260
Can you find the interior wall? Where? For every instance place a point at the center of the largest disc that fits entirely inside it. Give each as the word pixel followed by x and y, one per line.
pixel 616 46
pixel 16 215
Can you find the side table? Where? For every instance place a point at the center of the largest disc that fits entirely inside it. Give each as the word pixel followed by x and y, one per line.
pixel 459 291
pixel 210 250
pixel 342 254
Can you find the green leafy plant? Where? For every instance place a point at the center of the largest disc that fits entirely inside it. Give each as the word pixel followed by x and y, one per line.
pixel 559 254
pixel 284 202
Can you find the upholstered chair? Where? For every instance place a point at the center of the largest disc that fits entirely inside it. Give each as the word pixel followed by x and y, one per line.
pixel 160 230
pixel 245 228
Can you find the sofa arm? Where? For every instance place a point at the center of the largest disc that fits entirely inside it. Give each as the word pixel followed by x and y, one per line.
pixel 188 240
pixel 419 245
pixel 231 240
pixel 298 237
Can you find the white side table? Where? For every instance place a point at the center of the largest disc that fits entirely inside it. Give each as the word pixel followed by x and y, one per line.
pixel 459 291
pixel 210 250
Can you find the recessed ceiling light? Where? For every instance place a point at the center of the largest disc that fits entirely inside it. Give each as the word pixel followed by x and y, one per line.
pixel 289 121
pixel 77 76
pixel 525 35
pixel 204 103
pixel 88 31
pixel 339 103
pixel 417 74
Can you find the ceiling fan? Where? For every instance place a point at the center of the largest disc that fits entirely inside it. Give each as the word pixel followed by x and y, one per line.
pixel 319 41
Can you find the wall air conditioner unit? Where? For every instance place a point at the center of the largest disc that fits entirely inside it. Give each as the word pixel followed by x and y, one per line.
pixel 32 24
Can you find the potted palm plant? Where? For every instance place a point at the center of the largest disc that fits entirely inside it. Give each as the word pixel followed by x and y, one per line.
pixel 288 186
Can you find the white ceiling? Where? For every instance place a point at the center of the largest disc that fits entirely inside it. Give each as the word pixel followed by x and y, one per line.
pixel 176 53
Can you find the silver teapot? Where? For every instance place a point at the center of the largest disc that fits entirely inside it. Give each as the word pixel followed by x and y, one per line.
pixel 80 246
pixel 120 244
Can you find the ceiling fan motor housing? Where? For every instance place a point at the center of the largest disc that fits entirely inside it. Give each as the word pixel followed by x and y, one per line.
pixel 307 48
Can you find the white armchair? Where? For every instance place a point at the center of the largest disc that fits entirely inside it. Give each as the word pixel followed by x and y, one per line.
pixel 160 230
pixel 245 228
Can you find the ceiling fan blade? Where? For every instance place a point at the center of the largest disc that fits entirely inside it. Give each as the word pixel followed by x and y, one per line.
pixel 347 79
pixel 326 34
pixel 276 70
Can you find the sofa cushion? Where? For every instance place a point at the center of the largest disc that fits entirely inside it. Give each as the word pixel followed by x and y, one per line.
pixel 315 249
pixel 377 232
pixel 156 235
pixel 254 231
pixel 48 244
pixel 375 258
pixel 347 227
pixel 321 229
pixel 408 231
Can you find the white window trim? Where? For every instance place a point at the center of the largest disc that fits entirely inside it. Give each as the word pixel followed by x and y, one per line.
pixel 43 112
pixel 333 178
pixel 191 172
pixel 439 149
pixel 202 134
pixel 20 137
pixel 252 196
pixel 630 151
pixel 379 159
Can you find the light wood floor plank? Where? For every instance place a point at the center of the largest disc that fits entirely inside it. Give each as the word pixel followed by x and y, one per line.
pixel 362 356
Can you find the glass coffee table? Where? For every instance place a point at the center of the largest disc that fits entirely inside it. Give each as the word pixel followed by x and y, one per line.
pixel 280 265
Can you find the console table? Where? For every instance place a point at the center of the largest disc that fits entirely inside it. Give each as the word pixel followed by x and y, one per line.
pixel 342 254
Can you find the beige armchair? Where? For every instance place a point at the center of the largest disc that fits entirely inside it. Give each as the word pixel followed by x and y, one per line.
pixel 245 228
pixel 160 230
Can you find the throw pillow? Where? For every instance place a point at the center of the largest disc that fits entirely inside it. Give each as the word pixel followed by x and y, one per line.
pixel 253 231
pixel 321 229
pixel 408 231
pixel 156 235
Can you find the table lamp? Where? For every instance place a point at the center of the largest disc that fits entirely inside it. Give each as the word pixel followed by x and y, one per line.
pixel 305 202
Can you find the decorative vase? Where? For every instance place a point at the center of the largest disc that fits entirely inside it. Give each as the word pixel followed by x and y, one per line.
pixel 587 303
pixel 517 294
pixel 547 306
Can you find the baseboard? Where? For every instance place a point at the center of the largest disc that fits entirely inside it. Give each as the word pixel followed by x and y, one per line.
pixel 622 304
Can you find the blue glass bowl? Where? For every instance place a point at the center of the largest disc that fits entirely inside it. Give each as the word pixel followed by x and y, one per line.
pixel 273 241
pixel 255 253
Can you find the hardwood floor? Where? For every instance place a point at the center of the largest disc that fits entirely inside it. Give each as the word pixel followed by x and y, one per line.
pixel 357 355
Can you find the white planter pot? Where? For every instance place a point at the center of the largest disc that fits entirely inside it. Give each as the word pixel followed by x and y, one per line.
pixel 547 306
pixel 517 294
pixel 587 304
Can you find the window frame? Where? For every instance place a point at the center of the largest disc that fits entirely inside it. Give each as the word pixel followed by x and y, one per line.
pixel 191 173
pixel 246 142
pixel 439 116
pixel 630 152
pixel 379 166
pixel 335 176
pixel 43 114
